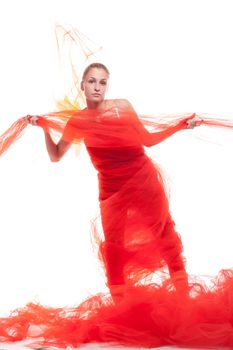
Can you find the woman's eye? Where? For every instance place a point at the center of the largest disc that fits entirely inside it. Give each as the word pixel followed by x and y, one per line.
pixel 90 81
pixel 103 82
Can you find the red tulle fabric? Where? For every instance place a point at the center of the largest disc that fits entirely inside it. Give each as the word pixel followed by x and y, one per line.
pixel 12 134
pixel 151 301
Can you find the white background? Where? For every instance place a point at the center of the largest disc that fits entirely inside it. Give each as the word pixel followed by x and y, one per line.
pixel 166 56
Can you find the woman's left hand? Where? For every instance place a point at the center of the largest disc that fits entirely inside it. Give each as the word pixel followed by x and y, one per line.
pixel 192 123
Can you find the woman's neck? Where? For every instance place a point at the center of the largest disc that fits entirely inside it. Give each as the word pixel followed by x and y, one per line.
pixel 95 105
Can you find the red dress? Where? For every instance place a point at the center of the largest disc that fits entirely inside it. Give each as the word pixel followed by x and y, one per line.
pixel 138 240
pixel 139 234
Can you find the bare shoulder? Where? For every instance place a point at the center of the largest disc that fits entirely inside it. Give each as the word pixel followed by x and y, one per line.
pixel 124 104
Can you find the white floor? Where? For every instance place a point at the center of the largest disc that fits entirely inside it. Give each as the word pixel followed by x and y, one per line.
pixel 24 346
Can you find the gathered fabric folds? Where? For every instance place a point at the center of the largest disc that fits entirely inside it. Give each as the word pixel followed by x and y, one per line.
pixel 151 301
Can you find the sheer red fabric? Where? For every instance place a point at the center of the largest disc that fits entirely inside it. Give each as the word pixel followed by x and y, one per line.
pixel 144 307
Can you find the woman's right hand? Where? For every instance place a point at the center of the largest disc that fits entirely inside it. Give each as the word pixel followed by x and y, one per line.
pixel 33 119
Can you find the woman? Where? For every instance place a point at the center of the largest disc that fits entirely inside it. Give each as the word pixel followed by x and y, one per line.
pixel 139 233
pixel 139 237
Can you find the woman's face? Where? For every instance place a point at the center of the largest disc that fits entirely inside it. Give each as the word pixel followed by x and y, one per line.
pixel 95 85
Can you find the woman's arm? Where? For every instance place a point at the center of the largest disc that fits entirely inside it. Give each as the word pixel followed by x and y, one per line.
pixel 55 150
pixel 148 138
pixel 153 138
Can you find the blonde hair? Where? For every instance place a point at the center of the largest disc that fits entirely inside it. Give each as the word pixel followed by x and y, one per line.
pixel 94 65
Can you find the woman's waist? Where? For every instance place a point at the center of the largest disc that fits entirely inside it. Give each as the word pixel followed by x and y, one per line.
pixel 116 152
pixel 112 180
pixel 119 159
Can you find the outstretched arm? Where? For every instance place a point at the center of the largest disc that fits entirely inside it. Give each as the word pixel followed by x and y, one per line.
pixel 152 138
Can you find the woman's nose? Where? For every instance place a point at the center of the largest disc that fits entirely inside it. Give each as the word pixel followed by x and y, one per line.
pixel 97 87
